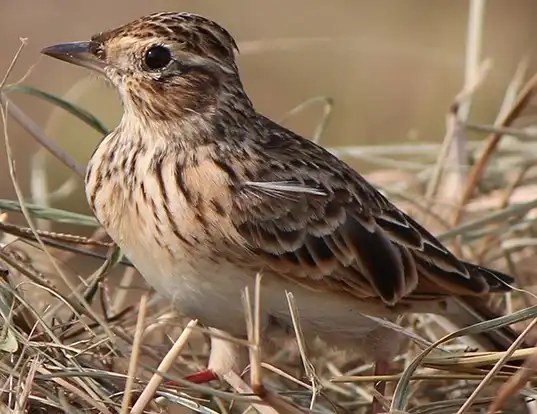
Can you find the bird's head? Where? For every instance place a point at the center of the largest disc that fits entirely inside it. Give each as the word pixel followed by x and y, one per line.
pixel 163 65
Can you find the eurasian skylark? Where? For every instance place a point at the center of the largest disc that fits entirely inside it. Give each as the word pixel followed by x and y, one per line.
pixel 201 192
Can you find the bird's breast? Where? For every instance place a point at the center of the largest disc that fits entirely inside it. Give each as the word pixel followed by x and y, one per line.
pixel 171 221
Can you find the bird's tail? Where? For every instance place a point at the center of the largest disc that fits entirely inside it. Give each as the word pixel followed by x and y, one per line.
pixel 469 310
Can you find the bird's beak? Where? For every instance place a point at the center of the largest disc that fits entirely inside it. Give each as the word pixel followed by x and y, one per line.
pixel 77 53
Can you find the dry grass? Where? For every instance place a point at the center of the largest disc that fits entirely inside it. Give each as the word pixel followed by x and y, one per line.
pixel 78 343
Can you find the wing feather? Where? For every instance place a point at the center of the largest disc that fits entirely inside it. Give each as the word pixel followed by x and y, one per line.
pixel 321 224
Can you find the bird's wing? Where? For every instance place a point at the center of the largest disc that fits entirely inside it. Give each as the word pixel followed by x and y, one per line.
pixel 311 218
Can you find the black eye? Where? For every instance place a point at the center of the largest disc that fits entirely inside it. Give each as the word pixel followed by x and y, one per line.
pixel 157 57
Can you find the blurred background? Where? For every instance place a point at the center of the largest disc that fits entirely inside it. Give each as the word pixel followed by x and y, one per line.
pixel 392 68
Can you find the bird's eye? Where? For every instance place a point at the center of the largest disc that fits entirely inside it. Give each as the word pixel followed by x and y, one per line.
pixel 157 57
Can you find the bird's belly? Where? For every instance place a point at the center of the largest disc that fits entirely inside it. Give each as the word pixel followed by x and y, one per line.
pixel 199 286
pixel 211 290
pixel 205 290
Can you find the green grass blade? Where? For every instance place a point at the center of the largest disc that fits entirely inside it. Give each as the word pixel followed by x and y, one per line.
pixel 73 109
pixel 49 213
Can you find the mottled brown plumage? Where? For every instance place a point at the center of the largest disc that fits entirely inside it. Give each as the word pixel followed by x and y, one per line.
pixel 201 192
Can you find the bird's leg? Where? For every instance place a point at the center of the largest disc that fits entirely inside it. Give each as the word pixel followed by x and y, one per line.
pixel 381 368
pixel 226 356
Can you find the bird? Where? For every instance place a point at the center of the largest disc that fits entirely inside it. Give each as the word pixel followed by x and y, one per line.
pixel 202 192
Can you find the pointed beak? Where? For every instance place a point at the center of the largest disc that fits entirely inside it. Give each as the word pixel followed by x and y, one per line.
pixel 77 53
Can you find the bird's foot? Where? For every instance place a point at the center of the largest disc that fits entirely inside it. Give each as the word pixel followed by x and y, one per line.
pixel 202 377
